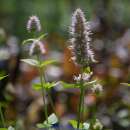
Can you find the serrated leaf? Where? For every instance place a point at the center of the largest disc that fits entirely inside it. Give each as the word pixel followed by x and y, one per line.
pixel 28 41
pixel 74 124
pixel 31 62
pixel 48 62
pixel 52 119
pixel 2 77
pixel 69 85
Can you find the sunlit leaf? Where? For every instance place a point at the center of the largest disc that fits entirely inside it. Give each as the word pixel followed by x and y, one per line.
pixel 74 124
pixel 52 119
pixel 28 41
pixel 90 83
pixel 87 70
pixel 47 62
pixel 46 85
pixel 69 85
pixel 31 62
pixel 43 125
pixel 37 86
pixel 2 77
pixel 42 36
pixel 50 85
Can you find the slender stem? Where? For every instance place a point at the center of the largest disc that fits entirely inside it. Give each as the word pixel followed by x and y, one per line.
pixel 81 100
pixel 80 103
pixel 51 101
pixel 82 111
pixel 2 116
pixel 43 90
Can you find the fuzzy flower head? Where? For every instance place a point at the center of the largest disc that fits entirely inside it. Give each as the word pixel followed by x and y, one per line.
pixel 37 47
pixel 80 39
pixel 33 24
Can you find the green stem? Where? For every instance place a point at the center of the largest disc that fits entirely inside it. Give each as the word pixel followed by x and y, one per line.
pixel 2 117
pixel 43 90
pixel 80 103
pixel 51 101
pixel 81 100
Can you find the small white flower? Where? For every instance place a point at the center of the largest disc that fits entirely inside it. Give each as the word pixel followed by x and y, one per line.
pixel 97 88
pixel 98 125
pixel 85 77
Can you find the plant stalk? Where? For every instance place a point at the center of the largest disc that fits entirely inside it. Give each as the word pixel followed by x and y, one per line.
pixel 2 116
pixel 80 103
pixel 42 80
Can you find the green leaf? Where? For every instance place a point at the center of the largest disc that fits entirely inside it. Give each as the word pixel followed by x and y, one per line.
pixel 42 125
pixel 3 129
pixel 50 85
pixel 90 83
pixel 11 128
pixel 47 62
pixel 37 86
pixel 74 124
pixel 52 119
pixel 42 36
pixel 87 70
pixel 31 62
pixel 125 84
pixel 2 77
pixel 28 41
pixel 46 85
pixel 69 85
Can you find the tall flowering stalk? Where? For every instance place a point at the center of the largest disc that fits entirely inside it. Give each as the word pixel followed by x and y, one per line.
pixel 82 55
pixel 37 49
pixel 80 41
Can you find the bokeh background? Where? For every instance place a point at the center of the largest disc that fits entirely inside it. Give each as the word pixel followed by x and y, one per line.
pixel 110 25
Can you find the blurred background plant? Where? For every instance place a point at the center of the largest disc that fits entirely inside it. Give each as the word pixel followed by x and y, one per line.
pixel 111 42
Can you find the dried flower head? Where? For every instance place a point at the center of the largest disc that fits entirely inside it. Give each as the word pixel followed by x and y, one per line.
pixel 33 24
pixel 80 41
pixel 36 47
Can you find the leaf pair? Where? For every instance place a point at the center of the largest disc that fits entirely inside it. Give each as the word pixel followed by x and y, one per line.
pixel 46 85
pixel 76 85
pixel 36 63
pixel 32 39
pixel 52 119
pixel 83 126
